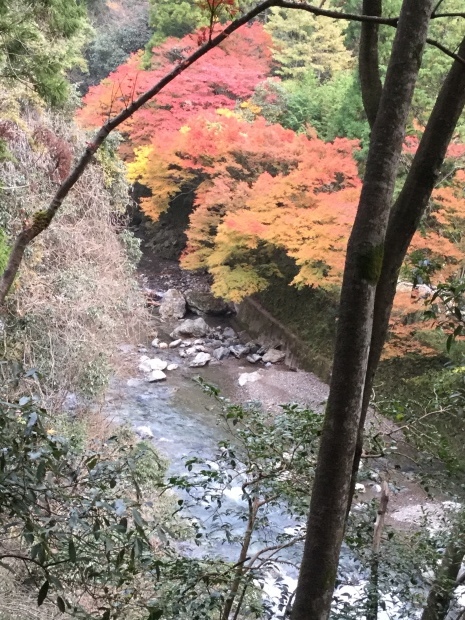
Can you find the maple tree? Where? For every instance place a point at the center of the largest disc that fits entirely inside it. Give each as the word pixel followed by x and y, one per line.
pixel 257 187
pixel 227 75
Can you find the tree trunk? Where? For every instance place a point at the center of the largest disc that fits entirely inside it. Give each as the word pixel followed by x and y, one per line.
pixel 328 506
pixel 368 62
pixel 405 217
pixel 442 590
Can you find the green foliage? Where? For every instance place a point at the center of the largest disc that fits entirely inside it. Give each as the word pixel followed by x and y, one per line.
pixel 306 43
pixel 131 246
pixel 74 517
pixel 428 396
pixel 41 40
pixel 334 108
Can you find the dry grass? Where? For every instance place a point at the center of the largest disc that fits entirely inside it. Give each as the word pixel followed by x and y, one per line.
pixel 76 296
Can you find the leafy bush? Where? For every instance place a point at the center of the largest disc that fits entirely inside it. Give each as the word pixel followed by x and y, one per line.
pixel 74 517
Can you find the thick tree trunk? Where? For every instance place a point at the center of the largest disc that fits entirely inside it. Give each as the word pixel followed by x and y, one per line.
pixel 368 62
pixel 328 507
pixel 405 217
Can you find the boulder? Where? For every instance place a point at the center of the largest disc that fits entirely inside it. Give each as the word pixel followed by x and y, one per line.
pixel 204 302
pixel 191 327
pixel 228 332
pixel 173 305
pixel 156 375
pixel 221 353
pixel 201 359
pixel 239 350
pixel 157 364
pixel 249 377
pixel 274 356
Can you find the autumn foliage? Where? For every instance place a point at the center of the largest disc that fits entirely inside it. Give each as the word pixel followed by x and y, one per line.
pixel 228 74
pixel 257 187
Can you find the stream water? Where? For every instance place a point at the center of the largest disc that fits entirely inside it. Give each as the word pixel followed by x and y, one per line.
pixel 184 422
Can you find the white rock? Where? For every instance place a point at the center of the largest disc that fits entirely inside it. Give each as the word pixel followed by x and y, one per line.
pixel 360 487
pixel 191 327
pixel 201 359
pixel 163 345
pixel 274 356
pixel 249 377
pixel 157 364
pixel 155 343
pixel 198 341
pixel 156 375
pixel 191 351
pixel 144 432
pixel 175 343
pixel 145 366
pixel 172 367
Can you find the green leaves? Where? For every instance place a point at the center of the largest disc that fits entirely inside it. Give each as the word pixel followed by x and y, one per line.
pixel 43 593
pixel 77 512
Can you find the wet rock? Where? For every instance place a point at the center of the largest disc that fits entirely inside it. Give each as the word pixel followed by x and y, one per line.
pixel 253 358
pixel 173 305
pixel 191 327
pixel 175 343
pixel 249 377
pixel 221 353
pixel 228 332
pixel 201 359
pixel 156 375
pixel 239 350
pixel 204 302
pixel 274 356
